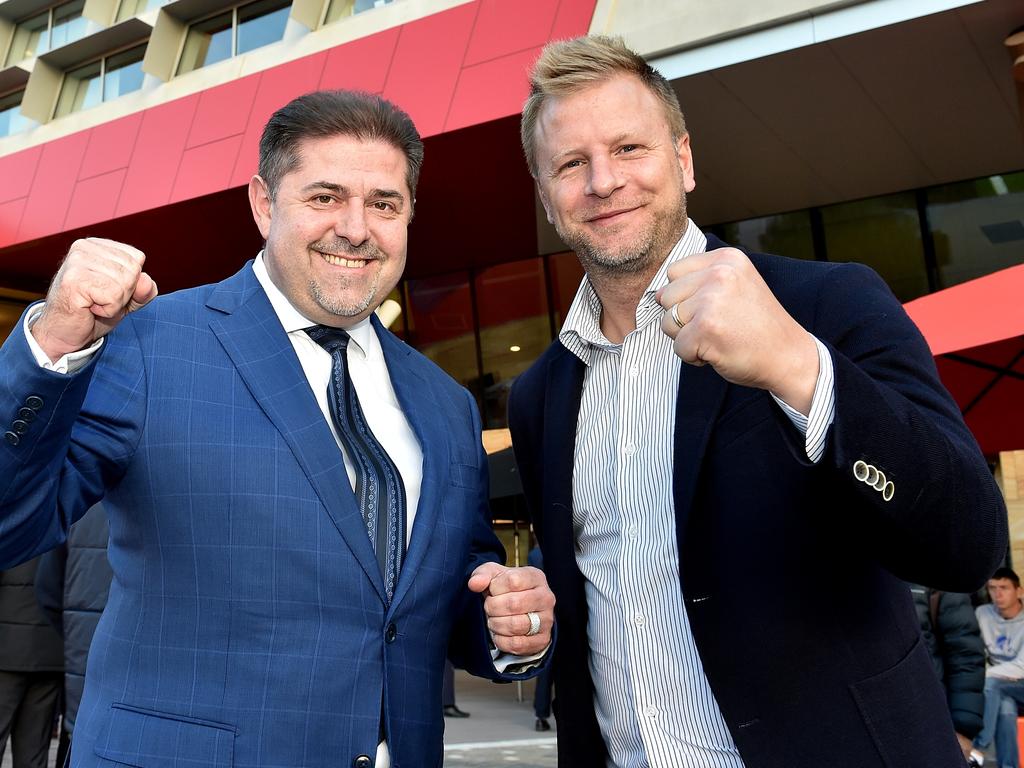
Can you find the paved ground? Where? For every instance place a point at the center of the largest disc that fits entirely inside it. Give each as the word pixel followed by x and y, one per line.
pixel 498 732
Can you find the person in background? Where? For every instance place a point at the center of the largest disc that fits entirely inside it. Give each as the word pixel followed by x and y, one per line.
pixel 950 631
pixel 1002 629
pixel 448 706
pixel 72 584
pixel 31 669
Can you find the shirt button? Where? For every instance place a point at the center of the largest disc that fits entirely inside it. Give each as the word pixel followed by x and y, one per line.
pixel 633 531
pixel 630 449
pixel 640 620
pixel 651 712
pixel 634 370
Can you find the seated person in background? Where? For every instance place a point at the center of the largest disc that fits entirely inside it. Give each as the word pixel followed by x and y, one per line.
pixel 1002 629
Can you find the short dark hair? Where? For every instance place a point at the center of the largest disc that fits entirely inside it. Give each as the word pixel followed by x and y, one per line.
pixel 1007 573
pixel 322 114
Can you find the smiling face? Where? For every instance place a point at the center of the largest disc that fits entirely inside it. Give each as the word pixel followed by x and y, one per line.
pixel 610 176
pixel 337 228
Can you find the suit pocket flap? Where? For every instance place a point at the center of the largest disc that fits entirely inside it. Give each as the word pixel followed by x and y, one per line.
pixel 149 739
pixel 465 475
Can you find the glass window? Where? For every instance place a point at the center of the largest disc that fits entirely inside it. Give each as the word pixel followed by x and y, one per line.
pixel 785 234
pixel 29 37
pixel 514 328
pixel 884 233
pixel 11 119
pixel 566 274
pixel 123 73
pixel 337 9
pixel 439 321
pixel 68 24
pixel 82 88
pixel 101 81
pixel 977 226
pixel 261 24
pixel 207 43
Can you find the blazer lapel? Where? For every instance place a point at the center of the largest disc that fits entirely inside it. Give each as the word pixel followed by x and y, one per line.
pixel 561 412
pixel 256 342
pixel 418 399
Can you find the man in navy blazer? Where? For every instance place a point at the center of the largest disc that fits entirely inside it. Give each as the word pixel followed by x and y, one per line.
pixel 249 622
pixel 732 462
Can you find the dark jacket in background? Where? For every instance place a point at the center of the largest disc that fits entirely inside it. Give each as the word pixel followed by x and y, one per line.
pixel 72 585
pixel 958 654
pixel 28 643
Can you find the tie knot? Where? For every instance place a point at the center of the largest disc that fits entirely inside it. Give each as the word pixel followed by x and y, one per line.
pixel 331 339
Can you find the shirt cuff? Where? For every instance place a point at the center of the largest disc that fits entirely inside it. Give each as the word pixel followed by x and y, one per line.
pixel 814 426
pixel 515 665
pixel 69 363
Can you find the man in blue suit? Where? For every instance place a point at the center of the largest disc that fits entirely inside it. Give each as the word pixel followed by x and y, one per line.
pixel 298 514
pixel 731 461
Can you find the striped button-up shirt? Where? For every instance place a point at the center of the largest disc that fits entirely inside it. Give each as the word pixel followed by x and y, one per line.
pixel 654 704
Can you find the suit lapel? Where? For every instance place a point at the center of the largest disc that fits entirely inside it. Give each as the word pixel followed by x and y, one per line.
pixel 254 339
pixel 561 412
pixel 420 405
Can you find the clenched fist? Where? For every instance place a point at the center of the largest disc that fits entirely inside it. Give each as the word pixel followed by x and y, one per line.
pixel 511 596
pixel 722 313
pixel 99 282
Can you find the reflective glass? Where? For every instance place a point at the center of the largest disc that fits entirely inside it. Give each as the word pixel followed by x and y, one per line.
pixel 261 24
pixel 29 38
pixel 123 73
pixel 884 233
pixel 368 5
pixel 439 321
pixel 11 119
pixel 129 8
pixel 206 43
pixel 68 24
pixel 82 88
pixel 512 305
pixel 977 226
pixel 784 234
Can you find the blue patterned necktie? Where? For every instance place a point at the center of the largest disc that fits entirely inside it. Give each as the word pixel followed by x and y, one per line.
pixel 379 489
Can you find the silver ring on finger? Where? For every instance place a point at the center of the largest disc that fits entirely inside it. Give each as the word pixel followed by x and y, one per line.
pixel 534 618
pixel 675 316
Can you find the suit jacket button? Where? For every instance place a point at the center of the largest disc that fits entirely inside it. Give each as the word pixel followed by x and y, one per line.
pixel 26 414
pixel 363 761
pixel 19 427
pixel 391 633
pixel 12 438
pixel 35 402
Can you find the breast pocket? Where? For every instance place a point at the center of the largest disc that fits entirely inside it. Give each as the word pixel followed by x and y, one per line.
pixel 150 739
pixel 465 475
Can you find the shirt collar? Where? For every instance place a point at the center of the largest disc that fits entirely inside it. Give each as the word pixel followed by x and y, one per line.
pixel 581 331
pixel 294 321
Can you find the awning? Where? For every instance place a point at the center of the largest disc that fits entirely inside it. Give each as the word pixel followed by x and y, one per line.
pixel 976 332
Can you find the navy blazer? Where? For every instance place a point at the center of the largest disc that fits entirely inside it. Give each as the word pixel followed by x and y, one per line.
pixel 247 623
pixel 791 572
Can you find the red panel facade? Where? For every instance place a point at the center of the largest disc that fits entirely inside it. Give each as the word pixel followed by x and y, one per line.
pixel 450 70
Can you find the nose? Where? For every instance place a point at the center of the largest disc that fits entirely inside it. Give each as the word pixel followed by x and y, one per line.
pixel 351 223
pixel 604 178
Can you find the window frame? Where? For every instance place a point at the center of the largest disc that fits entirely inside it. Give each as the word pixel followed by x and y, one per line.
pixel 234 32
pixel 102 76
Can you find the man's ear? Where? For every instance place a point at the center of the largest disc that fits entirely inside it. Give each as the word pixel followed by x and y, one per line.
pixel 685 156
pixel 545 202
pixel 261 203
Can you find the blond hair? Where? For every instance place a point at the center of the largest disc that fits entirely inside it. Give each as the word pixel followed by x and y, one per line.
pixel 568 66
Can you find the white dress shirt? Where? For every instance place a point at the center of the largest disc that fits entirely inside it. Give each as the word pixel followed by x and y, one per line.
pixel 654 705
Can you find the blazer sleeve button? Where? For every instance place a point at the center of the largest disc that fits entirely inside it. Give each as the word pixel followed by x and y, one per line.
pixel 363 761
pixel 26 414
pixel 12 438
pixel 35 402
pixel 19 427
pixel 860 470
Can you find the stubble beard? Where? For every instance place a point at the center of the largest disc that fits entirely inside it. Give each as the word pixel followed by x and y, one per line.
pixel 644 253
pixel 331 298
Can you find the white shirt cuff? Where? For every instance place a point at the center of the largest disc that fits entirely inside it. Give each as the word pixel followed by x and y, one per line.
pixel 509 662
pixel 814 426
pixel 69 363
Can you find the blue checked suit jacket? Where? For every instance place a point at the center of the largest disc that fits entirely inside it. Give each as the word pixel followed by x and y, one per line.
pixel 246 624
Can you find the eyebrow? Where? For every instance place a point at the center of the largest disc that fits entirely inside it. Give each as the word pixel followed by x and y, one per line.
pixel 338 189
pixel 556 160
